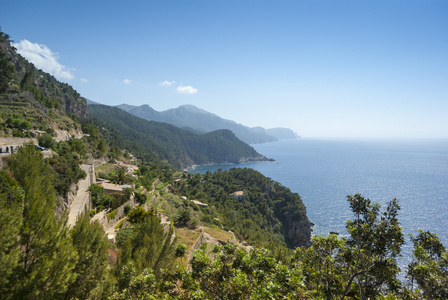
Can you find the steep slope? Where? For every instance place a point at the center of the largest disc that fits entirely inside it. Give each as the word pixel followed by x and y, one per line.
pixel 198 120
pixel 264 211
pixel 33 99
pixel 160 141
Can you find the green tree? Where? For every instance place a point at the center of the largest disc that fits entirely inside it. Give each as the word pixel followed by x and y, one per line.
pixel 6 72
pixel 236 274
pixel 47 256
pixel 138 285
pixel 138 214
pixel 91 267
pixel 120 176
pixel 46 141
pixel 11 209
pixel 148 246
pixel 322 266
pixel 374 244
pixel 361 266
pixel 429 269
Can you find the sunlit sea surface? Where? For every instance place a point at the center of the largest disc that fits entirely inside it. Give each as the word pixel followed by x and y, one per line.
pixel 324 172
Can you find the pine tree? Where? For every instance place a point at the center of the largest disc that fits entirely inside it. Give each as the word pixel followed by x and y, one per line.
pixel 148 246
pixel 91 268
pixel 48 257
pixel 11 207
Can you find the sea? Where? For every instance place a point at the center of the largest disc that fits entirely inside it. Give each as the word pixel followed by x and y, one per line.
pixel 324 171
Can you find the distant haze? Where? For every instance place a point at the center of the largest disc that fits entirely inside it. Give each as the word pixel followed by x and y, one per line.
pixel 323 68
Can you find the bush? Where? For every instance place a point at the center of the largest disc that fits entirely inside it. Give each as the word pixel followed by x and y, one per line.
pixel 111 215
pixel 140 198
pixel 120 224
pixel 127 209
pixel 46 141
pixel 184 218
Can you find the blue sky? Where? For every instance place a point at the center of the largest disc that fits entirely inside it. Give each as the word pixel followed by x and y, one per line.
pixel 339 68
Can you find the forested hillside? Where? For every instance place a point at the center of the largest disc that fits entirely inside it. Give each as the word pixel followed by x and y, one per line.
pixel 265 212
pixel 160 141
pixel 32 99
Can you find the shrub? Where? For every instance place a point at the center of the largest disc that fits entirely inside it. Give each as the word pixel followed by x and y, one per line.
pixel 111 215
pixel 127 209
pixel 46 141
pixel 120 224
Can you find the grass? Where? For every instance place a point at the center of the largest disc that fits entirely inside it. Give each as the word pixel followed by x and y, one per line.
pixel 104 168
pixel 120 224
pixel 220 234
pixel 187 237
pixel 160 186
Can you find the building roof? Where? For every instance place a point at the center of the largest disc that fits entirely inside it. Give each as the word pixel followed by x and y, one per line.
pixel 111 187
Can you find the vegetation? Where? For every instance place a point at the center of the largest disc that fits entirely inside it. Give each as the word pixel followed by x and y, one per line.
pixel 42 258
pixel 362 266
pixel 46 257
pixel 264 215
pixel 155 142
pixel 65 165
pixel 6 69
pixel 37 98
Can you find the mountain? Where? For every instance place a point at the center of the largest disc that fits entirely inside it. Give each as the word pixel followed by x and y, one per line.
pixel 282 133
pixel 158 141
pixel 32 99
pixel 199 120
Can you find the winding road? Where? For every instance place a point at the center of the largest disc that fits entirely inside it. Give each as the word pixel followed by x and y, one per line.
pixel 82 196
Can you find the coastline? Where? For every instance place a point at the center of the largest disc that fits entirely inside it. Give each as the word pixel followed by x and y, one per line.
pixel 242 161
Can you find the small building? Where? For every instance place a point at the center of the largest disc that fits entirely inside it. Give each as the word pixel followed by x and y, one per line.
pixel 110 188
pixel 237 195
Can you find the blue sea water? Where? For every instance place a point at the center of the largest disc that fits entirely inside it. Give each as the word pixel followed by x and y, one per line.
pixel 323 172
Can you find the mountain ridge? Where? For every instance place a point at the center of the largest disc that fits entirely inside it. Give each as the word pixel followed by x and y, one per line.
pixel 200 120
pixel 165 142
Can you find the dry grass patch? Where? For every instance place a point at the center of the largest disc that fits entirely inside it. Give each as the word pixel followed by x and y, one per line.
pixel 104 168
pixel 220 234
pixel 187 237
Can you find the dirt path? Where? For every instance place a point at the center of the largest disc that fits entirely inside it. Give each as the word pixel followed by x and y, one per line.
pixel 82 197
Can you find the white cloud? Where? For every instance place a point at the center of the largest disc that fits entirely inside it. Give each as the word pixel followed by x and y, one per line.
pixel 167 83
pixel 43 58
pixel 187 90
pixel 126 81
pixel 83 80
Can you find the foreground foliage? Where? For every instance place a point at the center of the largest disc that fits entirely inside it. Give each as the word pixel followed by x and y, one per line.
pixel 361 266
pixel 40 258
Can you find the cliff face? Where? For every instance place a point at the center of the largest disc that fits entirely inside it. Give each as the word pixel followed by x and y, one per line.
pixel 291 211
pixel 298 231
